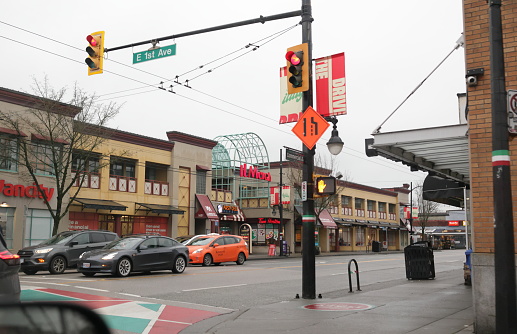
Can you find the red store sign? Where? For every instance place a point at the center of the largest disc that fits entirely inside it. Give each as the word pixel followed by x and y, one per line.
pixel 18 190
pixel 253 172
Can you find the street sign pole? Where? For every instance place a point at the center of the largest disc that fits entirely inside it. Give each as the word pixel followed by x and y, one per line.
pixel 309 217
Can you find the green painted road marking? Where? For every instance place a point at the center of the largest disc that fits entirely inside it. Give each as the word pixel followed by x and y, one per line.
pixel 152 307
pixel 127 324
pixel 34 295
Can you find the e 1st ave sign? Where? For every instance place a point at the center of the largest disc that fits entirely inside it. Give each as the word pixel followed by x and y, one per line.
pixel 166 51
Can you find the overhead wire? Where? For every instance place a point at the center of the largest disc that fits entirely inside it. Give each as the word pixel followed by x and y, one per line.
pixel 188 98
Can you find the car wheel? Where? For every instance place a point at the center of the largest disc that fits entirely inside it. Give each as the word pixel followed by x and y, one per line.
pixel 179 265
pixel 30 271
pixel 88 274
pixel 123 267
pixel 240 259
pixel 207 260
pixel 57 265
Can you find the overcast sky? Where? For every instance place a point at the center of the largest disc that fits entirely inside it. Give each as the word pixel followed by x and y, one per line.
pixel 390 47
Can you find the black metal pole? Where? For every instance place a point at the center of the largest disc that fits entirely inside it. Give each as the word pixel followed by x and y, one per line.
pixel 281 209
pixel 411 213
pixel 309 217
pixel 261 19
pixel 504 262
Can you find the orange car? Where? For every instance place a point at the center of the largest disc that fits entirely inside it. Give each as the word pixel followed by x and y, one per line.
pixel 218 248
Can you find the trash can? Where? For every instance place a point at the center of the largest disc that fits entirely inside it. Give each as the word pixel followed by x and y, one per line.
pixel 419 261
pixel 467 268
pixel 376 246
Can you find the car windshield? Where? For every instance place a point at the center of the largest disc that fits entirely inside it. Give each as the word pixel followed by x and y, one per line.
pixel 124 243
pixel 60 238
pixel 184 238
pixel 202 241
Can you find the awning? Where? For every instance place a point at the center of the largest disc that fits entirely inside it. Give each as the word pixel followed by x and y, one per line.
pixel 442 151
pixel 207 208
pixel 235 215
pixel 443 191
pixel 99 204
pixel 159 208
pixel 326 220
pixel 360 222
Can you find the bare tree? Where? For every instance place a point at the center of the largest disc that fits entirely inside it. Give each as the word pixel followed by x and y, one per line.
pixel 425 209
pixel 63 136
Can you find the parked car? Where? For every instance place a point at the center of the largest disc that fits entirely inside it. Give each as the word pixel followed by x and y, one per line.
pixel 9 280
pixel 217 249
pixel 135 253
pixel 62 250
pixel 188 239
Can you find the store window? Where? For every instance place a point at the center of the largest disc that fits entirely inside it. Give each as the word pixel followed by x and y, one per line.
pixel 6 225
pixel 264 234
pixel 345 236
pixel 359 236
pixel 38 226
pixel 8 153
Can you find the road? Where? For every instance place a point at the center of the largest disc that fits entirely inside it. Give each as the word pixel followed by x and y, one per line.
pixel 231 287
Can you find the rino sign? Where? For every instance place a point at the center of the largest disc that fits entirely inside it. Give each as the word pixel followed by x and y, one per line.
pixel 254 173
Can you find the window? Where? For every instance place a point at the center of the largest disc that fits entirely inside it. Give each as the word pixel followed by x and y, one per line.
pixel 345 236
pixel 150 243
pixel 84 163
pixel 44 156
pixel 38 227
pixel 371 205
pixel 346 201
pixel 359 203
pixel 122 167
pixel 200 181
pixel 165 242
pixel 382 207
pixel 359 236
pixel 392 208
pixel 97 237
pixel 82 239
pixel 8 153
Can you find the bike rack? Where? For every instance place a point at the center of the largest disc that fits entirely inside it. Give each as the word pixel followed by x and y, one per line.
pixel 350 275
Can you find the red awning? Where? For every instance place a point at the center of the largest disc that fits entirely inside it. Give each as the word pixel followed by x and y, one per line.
pixel 326 220
pixel 12 132
pixel 207 207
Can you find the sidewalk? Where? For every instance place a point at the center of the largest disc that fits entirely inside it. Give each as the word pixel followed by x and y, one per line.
pixel 442 305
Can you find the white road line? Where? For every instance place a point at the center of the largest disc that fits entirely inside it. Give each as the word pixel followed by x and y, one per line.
pixel 128 294
pixel 61 278
pixel 88 288
pixel 214 287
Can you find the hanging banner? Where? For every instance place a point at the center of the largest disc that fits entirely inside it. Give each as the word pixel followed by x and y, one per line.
pixel 274 195
pixel 331 85
pixel 290 104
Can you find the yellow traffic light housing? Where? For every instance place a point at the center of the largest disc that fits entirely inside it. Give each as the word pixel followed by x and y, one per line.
pixel 297 68
pixel 95 50
pixel 324 186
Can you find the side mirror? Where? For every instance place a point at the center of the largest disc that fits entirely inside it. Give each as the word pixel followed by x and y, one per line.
pixel 50 318
pixel 142 247
pixel 215 245
pixel 73 243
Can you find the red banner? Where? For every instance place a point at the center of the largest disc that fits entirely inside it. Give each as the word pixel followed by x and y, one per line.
pixel 331 85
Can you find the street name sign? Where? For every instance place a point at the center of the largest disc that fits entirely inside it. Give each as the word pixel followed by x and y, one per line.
pixel 166 51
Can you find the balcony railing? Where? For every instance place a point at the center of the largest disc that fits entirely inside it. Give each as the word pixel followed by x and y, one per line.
pixel 122 183
pixel 372 214
pixel 153 187
pixel 89 179
pixel 359 212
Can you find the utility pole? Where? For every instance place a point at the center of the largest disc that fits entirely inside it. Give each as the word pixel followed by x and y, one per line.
pixel 504 255
pixel 281 208
pixel 309 216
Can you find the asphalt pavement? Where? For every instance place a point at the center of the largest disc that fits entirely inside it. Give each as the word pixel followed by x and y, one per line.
pixel 441 305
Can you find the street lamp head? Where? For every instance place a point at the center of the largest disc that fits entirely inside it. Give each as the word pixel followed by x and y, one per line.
pixel 335 144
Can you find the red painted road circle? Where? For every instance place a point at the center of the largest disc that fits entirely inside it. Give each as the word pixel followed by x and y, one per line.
pixel 338 307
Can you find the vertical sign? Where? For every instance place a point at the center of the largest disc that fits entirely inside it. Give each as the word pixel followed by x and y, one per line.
pixel 290 104
pixel 331 85
pixel 304 191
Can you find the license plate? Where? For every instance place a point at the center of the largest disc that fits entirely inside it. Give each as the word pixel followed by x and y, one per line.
pixel 86 265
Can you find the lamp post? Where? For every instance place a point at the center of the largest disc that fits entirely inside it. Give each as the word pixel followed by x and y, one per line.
pixel 335 144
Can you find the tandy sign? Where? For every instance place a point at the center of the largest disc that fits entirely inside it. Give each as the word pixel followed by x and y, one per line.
pixel 254 173
pixel 18 190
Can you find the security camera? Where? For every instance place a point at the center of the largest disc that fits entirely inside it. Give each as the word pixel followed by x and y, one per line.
pixel 339 175
pixel 472 80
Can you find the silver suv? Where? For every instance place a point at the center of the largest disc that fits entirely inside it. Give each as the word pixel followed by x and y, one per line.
pixel 62 250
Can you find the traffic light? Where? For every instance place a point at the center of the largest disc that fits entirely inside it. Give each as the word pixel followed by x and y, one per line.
pixel 298 68
pixel 325 186
pixel 95 51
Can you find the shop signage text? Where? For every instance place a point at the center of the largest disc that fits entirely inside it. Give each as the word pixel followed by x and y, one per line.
pixel 18 190
pixel 227 209
pixel 268 221
pixel 253 172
